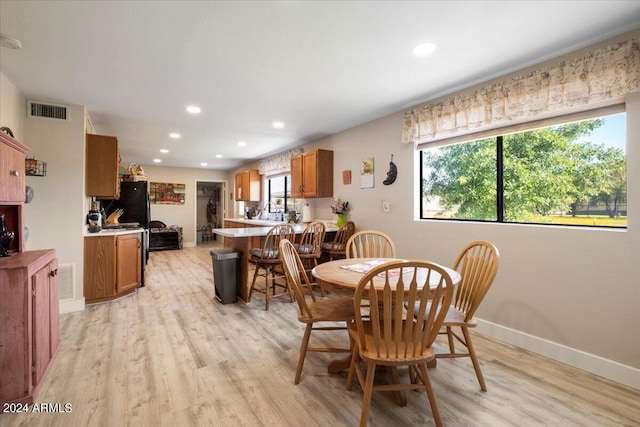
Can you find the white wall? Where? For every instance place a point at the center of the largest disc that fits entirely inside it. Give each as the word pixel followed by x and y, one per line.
pixel 56 215
pixel 12 108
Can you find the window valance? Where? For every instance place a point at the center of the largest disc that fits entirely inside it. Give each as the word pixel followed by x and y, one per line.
pixel 278 163
pixel 599 78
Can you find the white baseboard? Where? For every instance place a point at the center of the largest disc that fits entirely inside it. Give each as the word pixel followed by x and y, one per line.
pixel 71 305
pixel 597 365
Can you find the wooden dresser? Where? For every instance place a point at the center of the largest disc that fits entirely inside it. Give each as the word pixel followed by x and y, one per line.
pixel 29 315
pixel 29 302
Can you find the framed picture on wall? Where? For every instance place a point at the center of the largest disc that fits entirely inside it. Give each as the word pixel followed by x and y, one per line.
pixel 166 193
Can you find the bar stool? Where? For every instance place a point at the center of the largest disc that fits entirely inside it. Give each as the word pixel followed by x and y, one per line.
pixel 336 249
pixel 267 258
pixel 310 247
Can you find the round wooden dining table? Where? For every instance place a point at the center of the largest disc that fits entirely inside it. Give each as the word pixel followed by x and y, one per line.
pixel 343 275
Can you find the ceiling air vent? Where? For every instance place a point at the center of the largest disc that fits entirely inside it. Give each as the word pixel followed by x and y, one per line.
pixel 48 111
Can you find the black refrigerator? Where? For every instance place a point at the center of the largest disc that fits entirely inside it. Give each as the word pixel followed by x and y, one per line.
pixel 134 201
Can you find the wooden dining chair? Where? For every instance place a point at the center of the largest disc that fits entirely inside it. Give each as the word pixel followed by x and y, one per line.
pixel 336 248
pixel 312 311
pixel 477 264
pixel 310 246
pixel 370 244
pixel 266 258
pixel 385 334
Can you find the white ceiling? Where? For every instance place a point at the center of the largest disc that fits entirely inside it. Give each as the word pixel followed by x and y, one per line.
pixel 319 66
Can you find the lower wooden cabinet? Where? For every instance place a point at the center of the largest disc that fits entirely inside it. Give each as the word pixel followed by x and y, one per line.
pixel 255 242
pixel 29 315
pixel 112 266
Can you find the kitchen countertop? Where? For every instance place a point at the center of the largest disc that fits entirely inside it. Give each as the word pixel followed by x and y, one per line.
pixel 261 231
pixel 271 223
pixel 263 222
pixel 112 232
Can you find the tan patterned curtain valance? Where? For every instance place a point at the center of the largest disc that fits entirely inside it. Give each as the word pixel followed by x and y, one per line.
pixel 602 77
pixel 278 163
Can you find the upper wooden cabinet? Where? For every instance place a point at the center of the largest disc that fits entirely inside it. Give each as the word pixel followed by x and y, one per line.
pixel 12 187
pixel 248 186
pixel 12 155
pixel 102 163
pixel 312 174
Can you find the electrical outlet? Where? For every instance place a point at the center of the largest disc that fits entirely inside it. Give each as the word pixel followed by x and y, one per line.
pixel 385 206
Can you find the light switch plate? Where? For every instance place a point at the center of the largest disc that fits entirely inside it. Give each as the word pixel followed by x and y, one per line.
pixel 385 206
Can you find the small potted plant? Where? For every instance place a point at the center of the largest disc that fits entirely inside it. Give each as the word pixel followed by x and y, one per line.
pixel 340 208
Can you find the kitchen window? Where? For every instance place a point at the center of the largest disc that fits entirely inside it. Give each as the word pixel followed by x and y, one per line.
pixel 279 194
pixel 571 173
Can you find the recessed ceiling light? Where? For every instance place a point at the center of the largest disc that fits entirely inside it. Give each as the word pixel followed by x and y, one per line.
pixel 278 125
pixel 423 49
pixel 203 164
pixel 193 109
pixel 218 156
pixel 174 135
pixel 242 144
pixel 157 160
pixel 164 150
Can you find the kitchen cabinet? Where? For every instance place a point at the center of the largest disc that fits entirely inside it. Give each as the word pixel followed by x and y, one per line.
pixel 312 174
pixel 248 186
pixel 12 187
pixel 128 263
pixel 29 313
pixel 12 155
pixel 102 167
pixel 112 266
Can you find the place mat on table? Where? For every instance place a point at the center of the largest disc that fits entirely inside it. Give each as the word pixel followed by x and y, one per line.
pixel 365 266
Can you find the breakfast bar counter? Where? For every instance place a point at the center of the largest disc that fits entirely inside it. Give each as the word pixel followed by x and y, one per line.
pixel 243 239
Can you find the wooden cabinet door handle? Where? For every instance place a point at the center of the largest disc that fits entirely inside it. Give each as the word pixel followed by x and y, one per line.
pixel 14 173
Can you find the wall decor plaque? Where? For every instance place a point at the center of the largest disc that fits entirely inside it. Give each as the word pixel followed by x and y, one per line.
pixel 167 193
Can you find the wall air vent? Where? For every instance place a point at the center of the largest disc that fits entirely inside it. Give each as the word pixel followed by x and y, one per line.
pixel 66 281
pixel 47 110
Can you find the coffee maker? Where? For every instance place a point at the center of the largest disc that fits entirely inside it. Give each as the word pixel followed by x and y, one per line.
pixel 249 212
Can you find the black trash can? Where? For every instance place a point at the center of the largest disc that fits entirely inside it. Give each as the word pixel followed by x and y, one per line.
pixel 226 274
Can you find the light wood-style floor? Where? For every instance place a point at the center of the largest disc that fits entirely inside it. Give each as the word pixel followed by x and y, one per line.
pixel 170 355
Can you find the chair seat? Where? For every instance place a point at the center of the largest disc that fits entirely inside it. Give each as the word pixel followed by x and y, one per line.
pixel 304 249
pixel 371 354
pixel 331 246
pixel 336 309
pixel 267 253
pixel 455 317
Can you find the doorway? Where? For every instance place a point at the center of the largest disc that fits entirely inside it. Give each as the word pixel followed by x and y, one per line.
pixel 210 209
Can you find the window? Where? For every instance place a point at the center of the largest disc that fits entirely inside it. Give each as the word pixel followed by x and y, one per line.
pixel 279 194
pixel 569 174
